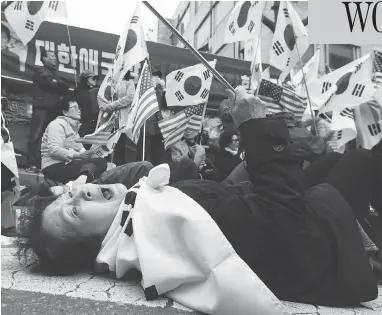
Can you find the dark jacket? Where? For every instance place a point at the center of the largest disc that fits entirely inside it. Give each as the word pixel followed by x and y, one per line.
pixel 88 115
pixel 49 89
pixel 225 162
pixel 305 246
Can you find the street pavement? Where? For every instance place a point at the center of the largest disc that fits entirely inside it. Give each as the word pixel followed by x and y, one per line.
pixel 26 291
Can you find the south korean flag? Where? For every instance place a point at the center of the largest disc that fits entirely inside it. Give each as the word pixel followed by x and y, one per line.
pixel 290 33
pixel 343 124
pixel 244 22
pixel 189 86
pixel 322 89
pixel 131 48
pixel 352 88
pixel 25 17
pixel 368 118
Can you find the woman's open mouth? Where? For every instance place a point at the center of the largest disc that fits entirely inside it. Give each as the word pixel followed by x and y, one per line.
pixel 107 193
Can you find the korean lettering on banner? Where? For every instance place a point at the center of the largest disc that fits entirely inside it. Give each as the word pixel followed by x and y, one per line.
pixel 67 57
pixel 66 60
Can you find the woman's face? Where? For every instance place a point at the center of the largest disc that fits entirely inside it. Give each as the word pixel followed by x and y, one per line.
pixel 87 211
pixel 234 144
pixel 73 112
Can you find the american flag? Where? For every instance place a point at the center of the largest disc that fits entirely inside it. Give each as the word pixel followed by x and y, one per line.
pixel 147 103
pixel 377 68
pixel 281 99
pixel 102 133
pixel 173 128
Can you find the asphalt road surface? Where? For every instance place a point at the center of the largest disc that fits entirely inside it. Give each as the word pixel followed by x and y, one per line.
pixel 15 302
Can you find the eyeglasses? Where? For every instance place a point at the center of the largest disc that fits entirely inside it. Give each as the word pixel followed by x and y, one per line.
pixel 235 140
pixel 75 107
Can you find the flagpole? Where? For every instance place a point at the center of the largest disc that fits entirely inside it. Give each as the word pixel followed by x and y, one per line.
pixel 257 48
pixel 189 46
pixel 306 86
pixel 71 54
pixel 144 142
pixel 307 92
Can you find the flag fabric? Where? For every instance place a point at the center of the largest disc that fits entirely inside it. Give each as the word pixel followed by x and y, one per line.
pixel 256 65
pixel 377 68
pixel 378 95
pixel 10 176
pixel 244 22
pixel 101 135
pixel 310 70
pixel 25 17
pixel 131 50
pixel 369 125
pixel 189 86
pixel 352 89
pixel 321 89
pixel 281 99
pixel 173 127
pixel 145 104
pixel 290 33
pixel 343 123
pixel 104 149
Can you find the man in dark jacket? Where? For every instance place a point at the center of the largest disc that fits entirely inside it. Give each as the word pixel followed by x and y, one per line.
pixel 49 89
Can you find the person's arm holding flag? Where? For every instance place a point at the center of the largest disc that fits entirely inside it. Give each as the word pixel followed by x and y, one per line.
pixel 123 102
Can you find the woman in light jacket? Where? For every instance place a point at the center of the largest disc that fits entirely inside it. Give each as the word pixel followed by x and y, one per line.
pixel 64 159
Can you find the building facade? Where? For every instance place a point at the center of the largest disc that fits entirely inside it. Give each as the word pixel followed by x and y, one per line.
pixel 202 22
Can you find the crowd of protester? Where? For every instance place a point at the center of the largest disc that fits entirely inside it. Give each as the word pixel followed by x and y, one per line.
pixel 279 191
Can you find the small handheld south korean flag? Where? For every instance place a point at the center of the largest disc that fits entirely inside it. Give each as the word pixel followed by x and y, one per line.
pixel 343 124
pixel 244 22
pixel 189 86
pixel 368 119
pixel 25 17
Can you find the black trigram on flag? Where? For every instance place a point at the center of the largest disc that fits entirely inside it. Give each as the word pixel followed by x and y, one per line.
pixel 117 52
pixel 179 75
pixel 134 19
pixel 339 134
pixel 357 67
pixel 29 25
pixel 53 5
pixel 374 129
pixel 358 90
pixel 232 28
pixel 325 86
pixel 347 112
pixel 250 26
pixel 204 94
pixel 286 13
pixel 179 95
pixel 18 5
pixel 206 74
pixel 278 48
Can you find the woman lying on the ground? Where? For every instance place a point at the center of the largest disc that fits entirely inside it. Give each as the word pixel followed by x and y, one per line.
pixel 304 245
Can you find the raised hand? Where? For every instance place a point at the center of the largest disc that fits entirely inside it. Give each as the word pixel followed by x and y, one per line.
pixel 246 106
